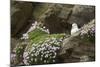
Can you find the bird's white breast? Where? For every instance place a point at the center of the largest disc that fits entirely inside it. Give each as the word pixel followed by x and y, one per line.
pixel 74 29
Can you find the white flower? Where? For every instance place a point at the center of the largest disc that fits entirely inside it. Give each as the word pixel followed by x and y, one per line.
pixel 35 60
pixel 25 36
pixel 21 47
pixel 55 53
pixel 53 56
pixel 25 62
pixel 43 48
pixel 54 48
pixel 33 51
pixel 47 31
pixel 50 54
pixel 51 50
pixel 42 52
pixel 41 55
pixel 33 48
pixel 41 59
pixel 44 27
pixel 46 56
pixel 32 27
pixel 57 42
pixel 35 54
pixel 47 51
pixel 32 24
pixel 61 40
pixel 44 61
pixel 31 59
pixel 32 55
pixel 53 60
pixel 42 45
pixel 50 47
pixel 27 57
pixel 13 57
pixel 25 54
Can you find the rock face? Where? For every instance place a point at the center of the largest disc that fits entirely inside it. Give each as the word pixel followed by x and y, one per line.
pixel 14 42
pixel 60 19
pixel 21 12
pixel 56 19
pixel 75 49
pixel 82 14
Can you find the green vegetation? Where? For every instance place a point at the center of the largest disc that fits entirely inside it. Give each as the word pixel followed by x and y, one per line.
pixel 40 36
pixel 19 53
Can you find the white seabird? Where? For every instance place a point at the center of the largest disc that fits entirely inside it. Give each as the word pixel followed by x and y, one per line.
pixel 74 28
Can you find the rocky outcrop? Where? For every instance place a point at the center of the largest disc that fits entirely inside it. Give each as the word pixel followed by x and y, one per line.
pixel 82 14
pixel 14 42
pixel 75 49
pixel 21 13
pixel 56 18
pixel 60 19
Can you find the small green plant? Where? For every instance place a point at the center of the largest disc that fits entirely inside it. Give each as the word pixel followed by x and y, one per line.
pixel 19 53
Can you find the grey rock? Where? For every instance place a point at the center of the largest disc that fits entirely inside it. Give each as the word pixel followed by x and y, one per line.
pixel 21 12
pixel 82 14
pixel 74 47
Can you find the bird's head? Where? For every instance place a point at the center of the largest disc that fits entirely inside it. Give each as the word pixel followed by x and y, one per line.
pixel 74 25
